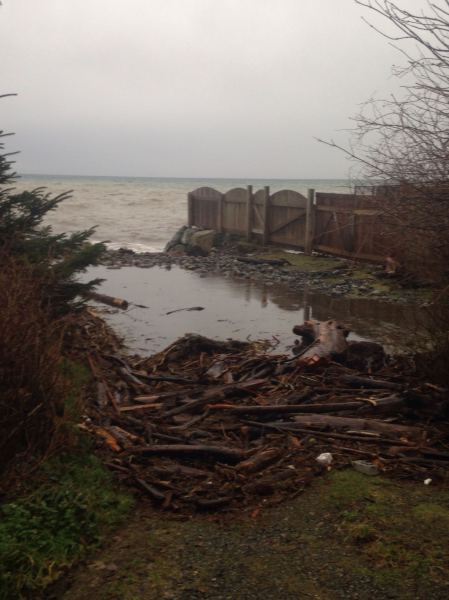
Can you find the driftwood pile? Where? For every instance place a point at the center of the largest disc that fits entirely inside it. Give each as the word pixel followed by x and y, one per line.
pixel 208 425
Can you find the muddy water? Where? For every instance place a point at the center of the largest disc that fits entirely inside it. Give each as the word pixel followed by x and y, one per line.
pixel 239 309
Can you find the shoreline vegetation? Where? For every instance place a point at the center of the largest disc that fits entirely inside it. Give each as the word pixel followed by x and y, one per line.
pixel 56 497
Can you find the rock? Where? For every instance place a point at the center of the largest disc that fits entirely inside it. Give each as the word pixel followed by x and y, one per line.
pixel 186 237
pixel 203 239
pixel 176 239
pixel 365 467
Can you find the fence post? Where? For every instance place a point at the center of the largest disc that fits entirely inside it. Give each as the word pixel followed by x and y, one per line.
pixel 220 213
pixel 266 215
pixel 249 212
pixel 190 220
pixel 310 222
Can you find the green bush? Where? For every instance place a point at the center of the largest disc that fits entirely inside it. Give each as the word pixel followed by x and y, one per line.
pixel 44 533
pixel 56 258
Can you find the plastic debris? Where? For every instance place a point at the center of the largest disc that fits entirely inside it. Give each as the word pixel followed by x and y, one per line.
pixel 325 459
pixel 427 481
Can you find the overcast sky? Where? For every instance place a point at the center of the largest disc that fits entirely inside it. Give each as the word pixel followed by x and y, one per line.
pixel 187 88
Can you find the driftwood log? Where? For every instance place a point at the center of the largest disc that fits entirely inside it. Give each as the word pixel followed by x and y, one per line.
pixel 354 424
pixel 109 300
pixel 321 340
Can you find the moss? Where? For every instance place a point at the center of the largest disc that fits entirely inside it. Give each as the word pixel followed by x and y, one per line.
pixel 432 514
pixel 402 536
pixel 306 263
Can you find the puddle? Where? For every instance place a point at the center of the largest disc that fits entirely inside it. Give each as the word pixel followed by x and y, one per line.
pixel 239 309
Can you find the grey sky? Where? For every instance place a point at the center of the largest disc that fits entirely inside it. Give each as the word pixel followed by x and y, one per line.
pixel 187 88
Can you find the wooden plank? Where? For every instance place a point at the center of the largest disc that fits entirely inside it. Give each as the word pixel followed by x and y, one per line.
pixel 234 210
pixel 206 193
pixel 310 222
pixel 322 230
pixel 258 197
pixel 220 214
pixel 266 215
pixel 190 210
pixel 289 221
pixel 249 212
pixel 339 229
pixel 236 195
pixel 288 198
pixel 257 224
pixel 368 212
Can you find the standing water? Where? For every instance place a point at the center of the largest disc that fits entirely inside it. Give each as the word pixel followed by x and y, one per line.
pixel 239 309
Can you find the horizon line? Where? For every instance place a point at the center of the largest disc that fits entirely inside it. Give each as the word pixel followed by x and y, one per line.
pixel 35 174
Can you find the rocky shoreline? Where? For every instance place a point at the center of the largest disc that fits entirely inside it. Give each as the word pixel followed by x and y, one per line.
pixel 341 278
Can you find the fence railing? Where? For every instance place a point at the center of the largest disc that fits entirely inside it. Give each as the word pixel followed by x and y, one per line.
pixel 342 224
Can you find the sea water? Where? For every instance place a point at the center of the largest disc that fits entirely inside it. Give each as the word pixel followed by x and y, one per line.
pixel 141 213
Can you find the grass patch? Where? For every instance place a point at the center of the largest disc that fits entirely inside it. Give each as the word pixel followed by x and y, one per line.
pixel 79 376
pixel 400 530
pixel 304 262
pixel 348 536
pixel 49 529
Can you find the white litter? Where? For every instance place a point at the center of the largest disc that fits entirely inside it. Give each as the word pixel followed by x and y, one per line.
pixel 325 459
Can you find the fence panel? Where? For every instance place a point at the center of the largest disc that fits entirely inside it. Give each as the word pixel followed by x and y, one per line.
pixel 341 224
pixel 348 225
pixel 258 212
pixel 287 218
pixel 234 210
pixel 204 204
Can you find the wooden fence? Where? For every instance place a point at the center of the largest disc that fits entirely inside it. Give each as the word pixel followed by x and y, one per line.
pixel 341 224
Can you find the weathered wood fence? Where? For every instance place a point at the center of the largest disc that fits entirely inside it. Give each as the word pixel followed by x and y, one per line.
pixel 341 224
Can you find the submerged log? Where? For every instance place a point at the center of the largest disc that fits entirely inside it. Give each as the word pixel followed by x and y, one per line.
pixel 109 300
pixel 321 340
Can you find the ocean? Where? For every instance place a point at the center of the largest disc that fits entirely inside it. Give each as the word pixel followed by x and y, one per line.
pixel 142 213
